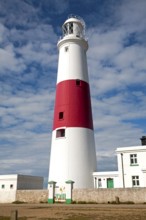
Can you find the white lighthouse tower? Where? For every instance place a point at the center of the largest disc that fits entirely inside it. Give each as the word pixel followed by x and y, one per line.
pixel 73 154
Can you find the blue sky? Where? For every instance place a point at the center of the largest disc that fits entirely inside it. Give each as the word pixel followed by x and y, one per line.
pixel 29 32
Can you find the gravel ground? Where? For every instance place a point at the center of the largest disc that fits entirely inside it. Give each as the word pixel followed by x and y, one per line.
pixel 74 211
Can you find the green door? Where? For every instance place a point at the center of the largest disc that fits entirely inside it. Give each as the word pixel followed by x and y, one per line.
pixel 110 183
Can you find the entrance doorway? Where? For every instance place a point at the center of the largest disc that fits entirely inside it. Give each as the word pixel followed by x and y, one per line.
pixel 60 194
pixel 110 183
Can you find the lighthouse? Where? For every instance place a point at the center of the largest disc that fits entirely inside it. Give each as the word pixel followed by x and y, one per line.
pixel 73 155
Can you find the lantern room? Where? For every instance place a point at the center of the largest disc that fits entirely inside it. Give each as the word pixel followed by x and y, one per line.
pixel 74 26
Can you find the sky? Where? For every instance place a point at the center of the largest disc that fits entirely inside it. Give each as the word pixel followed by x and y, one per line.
pixel 29 32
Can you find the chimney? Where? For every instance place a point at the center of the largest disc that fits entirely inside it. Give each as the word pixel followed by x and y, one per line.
pixel 143 140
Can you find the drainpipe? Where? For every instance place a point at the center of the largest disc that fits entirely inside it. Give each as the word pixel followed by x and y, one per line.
pixel 122 170
pixel 95 183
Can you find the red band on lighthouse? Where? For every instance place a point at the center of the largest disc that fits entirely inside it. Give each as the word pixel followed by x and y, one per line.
pixel 73 106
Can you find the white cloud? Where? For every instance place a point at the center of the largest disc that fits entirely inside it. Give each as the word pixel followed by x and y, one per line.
pixel 132 14
pixel 8 60
pixel 2 32
pixel 36 53
pixel 132 57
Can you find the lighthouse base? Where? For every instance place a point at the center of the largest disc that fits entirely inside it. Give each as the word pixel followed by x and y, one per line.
pixel 73 157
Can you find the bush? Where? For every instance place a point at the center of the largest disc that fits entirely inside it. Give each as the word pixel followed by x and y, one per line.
pixel 18 202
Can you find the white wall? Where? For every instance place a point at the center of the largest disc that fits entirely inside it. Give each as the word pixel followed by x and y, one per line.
pixel 128 170
pixel 104 176
pixel 7 196
pixel 8 182
pixel 71 161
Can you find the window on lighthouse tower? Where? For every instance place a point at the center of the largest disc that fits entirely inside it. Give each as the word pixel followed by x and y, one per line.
pixel 70 28
pixel 61 115
pixel 78 82
pixel 60 133
pixel 66 49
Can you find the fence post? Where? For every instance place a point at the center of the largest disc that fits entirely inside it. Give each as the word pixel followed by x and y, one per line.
pixel 14 215
pixel 69 188
pixel 51 187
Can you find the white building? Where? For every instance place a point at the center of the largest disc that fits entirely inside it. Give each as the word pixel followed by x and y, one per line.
pixel 9 184
pixel 106 179
pixel 132 166
pixel 131 169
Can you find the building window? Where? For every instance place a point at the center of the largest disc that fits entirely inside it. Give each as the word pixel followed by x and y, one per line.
pixel 11 186
pixel 60 133
pixel 133 159
pixel 99 183
pixel 66 49
pixel 78 82
pixel 3 186
pixel 135 181
pixel 61 115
